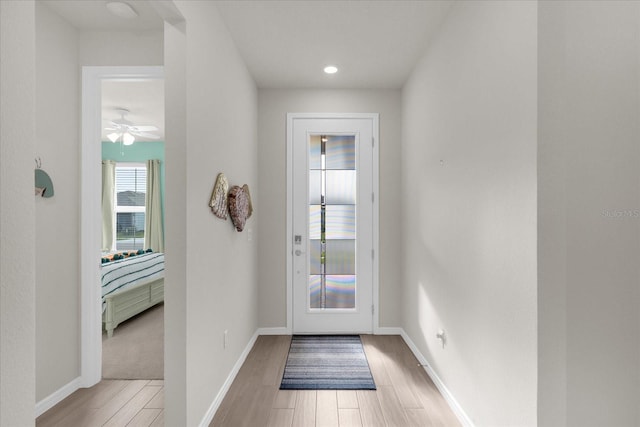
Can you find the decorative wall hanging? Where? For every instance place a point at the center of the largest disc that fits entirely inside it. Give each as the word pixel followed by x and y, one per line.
pixel 239 207
pixel 44 185
pixel 218 202
pixel 246 191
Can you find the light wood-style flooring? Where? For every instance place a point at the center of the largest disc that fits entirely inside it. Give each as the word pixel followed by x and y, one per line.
pixel 405 396
pixel 112 403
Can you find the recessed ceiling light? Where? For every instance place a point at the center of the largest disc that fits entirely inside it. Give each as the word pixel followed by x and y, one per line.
pixel 122 9
pixel 330 69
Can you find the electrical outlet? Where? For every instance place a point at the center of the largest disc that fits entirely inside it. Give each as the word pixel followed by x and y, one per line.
pixel 224 338
pixel 441 335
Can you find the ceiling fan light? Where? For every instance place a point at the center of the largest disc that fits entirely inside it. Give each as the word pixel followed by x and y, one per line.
pixel 113 137
pixel 127 138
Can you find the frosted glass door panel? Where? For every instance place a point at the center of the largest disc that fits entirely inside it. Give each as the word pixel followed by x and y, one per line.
pixel 314 152
pixel 340 222
pixel 332 222
pixel 315 222
pixel 340 152
pixel 315 291
pixel 315 187
pixel 315 257
pixel 341 257
pixel 341 187
pixel 340 292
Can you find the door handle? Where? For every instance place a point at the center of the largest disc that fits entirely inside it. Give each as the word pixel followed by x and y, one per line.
pixel 298 252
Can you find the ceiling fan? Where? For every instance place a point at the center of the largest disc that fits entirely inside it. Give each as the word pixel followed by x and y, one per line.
pixel 125 131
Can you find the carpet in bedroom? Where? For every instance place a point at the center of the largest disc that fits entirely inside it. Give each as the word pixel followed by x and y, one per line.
pixel 136 350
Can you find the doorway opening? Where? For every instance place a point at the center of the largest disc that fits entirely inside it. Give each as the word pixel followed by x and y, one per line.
pixel 97 95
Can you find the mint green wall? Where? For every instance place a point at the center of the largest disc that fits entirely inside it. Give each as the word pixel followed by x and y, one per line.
pixel 137 153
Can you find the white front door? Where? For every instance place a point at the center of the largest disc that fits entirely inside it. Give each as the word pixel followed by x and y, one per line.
pixel 332 222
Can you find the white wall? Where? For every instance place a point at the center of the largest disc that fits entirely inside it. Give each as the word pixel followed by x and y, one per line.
pixel 589 204
pixel 469 209
pixel 272 110
pixel 111 48
pixel 552 217
pixel 17 213
pixel 57 218
pixel 175 325
pixel 219 266
pixel 61 51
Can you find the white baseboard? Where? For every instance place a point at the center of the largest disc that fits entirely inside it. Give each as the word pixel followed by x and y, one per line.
pixel 453 403
pixel 211 412
pixel 274 331
pixel 388 331
pixel 57 396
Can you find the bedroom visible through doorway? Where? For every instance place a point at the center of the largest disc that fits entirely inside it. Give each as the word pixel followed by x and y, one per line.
pixel 132 260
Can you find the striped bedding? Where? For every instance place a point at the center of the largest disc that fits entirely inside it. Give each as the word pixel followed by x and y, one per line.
pixel 118 275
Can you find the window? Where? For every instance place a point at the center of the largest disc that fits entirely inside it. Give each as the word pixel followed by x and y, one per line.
pixel 131 186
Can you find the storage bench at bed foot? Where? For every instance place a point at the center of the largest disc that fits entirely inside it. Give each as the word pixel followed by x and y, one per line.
pixel 157 293
pixel 121 306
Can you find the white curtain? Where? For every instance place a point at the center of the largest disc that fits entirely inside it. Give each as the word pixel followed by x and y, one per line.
pixel 108 204
pixel 153 228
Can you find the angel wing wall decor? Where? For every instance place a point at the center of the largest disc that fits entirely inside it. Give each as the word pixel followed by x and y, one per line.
pixel 218 202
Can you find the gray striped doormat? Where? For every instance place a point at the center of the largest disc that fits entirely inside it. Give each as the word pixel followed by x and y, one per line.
pixel 327 362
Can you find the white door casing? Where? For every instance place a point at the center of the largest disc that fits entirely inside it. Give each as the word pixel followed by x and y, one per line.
pixel 91 212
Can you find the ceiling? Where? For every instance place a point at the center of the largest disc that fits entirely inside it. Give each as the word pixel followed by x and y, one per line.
pixel 93 15
pixel 374 44
pixel 286 44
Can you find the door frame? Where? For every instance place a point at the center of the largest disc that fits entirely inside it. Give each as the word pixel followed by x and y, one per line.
pixel 291 117
pixel 91 212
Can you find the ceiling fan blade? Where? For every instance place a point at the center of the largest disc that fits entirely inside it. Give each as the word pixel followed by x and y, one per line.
pixel 121 122
pixel 111 129
pixel 146 128
pixel 116 125
pixel 146 135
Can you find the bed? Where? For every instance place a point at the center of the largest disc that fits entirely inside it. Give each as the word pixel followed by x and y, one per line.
pixel 130 286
